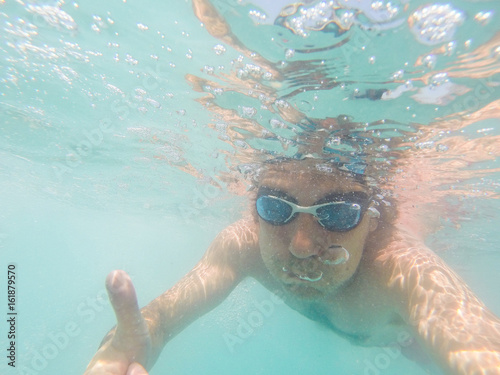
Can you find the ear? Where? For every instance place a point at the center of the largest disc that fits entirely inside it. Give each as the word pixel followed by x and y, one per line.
pixel 373 224
pixel 374 215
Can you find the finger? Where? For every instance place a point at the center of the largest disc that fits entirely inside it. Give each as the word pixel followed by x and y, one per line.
pixel 136 369
pixel 123 299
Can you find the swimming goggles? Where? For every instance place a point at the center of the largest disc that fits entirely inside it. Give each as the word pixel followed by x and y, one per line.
pixel 336 212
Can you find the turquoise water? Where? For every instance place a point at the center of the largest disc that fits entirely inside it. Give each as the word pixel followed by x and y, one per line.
pixel 125 126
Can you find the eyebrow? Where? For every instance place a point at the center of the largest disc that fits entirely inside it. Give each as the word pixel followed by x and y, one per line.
pixel 265 190
pixel 331 197
pixel 344 196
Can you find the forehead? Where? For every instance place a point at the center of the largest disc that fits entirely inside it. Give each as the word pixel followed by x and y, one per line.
pixel 308 181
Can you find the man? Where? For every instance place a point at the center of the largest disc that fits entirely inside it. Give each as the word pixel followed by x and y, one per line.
pixel 336 252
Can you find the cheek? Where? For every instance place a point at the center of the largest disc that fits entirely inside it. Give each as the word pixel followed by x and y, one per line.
pixel 271 236
pixel 273 243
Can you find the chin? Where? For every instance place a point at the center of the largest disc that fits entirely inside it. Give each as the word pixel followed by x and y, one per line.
pixel 305 291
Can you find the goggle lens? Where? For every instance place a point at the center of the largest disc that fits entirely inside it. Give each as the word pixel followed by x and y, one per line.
pixel 339 217
pixel 335 216
pixel 274 211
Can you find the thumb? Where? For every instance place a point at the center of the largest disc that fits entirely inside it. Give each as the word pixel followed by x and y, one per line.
pixel 136 369
pixel 124 300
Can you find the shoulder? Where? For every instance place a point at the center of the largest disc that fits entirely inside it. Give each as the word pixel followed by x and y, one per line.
pixel 239 236
pixel 390 268
pixel 416 275
pixel 238 245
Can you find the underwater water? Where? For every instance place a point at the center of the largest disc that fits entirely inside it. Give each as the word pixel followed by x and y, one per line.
pixel 131 131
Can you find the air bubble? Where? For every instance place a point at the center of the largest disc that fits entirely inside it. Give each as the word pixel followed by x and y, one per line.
pixel 496 52
pixel 275 123
pixel 334 141
pixel 398 75
pixel 450 48
pixel 434 24
pixel 267 76
pixel 484 130
pixel 280 103
pixel 289 53
pixel 114 89
pixel 221 127
pixel 441 148
pixel 219 49
pixel 335 255
pixel 240 144
pixel 130 60
pixel 346 20
pixel 254 70
pixel 439 79
pixel 377 5
pixel 430 61
pixel 242 73
pixel 483 18
pixel 248 111
pixel 153 103
pixel 264 98
pixel 257 16
pixel 208 69
pixel 424 145
pixel 53 16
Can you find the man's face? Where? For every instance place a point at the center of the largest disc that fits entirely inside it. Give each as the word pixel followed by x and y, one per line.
pixel 295 252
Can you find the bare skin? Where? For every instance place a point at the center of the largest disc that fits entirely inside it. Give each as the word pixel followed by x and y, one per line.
pixel 390 284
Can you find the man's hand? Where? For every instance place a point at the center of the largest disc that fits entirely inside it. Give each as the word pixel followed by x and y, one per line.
pixel 128 347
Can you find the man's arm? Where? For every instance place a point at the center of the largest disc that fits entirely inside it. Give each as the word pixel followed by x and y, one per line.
pixel 450 321
pixel 141 336
pixel 227 261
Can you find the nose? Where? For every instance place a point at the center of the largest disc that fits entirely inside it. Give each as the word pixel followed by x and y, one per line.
pixel 303 244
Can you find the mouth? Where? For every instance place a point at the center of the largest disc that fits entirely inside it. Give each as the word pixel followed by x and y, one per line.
pixel 335 255
pixel 308 272
pixel 307 276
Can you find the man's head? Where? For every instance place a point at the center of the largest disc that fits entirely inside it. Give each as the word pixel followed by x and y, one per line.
pixel 299 243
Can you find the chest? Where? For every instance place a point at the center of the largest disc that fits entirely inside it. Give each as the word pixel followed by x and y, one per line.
pixel 363 322
pixel 363 314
